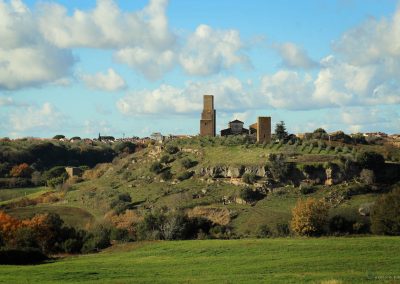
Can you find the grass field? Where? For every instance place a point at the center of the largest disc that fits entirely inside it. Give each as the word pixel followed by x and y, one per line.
pixel 323 260
pixel 13 194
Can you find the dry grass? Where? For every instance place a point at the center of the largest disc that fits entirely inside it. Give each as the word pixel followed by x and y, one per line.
pixel 220 216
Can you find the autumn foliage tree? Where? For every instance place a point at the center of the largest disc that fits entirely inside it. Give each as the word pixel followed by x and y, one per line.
pixel 22 170
pixel 8 226
pixel 309 217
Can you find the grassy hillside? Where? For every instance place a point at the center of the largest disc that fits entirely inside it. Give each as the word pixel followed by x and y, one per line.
pixel 131 174
pixel 323 260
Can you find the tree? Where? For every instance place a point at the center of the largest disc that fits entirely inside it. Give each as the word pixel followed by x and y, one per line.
pixel 370 160
pixel 58 137
pixel 309 217
pixel 280 131
pixel 385 215
pixel 320 133
pixel 22 170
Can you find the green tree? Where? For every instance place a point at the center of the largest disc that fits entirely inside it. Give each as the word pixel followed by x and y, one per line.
pixel 280 131
pixel 385 215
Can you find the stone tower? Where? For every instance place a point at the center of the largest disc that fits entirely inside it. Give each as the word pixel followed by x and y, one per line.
pixel 207 122
pixel 263 129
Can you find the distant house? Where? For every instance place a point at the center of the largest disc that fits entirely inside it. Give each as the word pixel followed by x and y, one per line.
pixel 157 136
pixel 235 127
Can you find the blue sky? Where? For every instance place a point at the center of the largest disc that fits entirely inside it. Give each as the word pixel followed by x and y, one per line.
pixel 135 67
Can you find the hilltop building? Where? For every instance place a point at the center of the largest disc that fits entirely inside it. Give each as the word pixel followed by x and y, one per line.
pixel 235 127
pixel 157 136
pixel 262 129
pixel 208 117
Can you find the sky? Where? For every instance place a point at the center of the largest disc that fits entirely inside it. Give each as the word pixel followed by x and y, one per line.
pixel 130 68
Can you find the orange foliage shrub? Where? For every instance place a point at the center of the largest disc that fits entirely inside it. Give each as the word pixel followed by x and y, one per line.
pixel 8 226
pixel 309 217
pixel 22 170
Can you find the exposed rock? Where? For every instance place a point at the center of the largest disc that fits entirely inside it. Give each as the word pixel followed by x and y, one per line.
pixel 365 209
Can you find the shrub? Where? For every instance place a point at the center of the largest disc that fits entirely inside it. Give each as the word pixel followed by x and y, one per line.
pixel 370 160
pixel 166 174
pixel 54 182
pixel 156 167
pixel 98 239
pixel 282 229
pixel 340 225
pixel 170 149
pixel 185 175
pixel 249 178
pixel 309 217
pixel 385 215
pixel 278 167
pixel 264 231
pixel 306 189
pixel 124 147
pixel 188 163
pixel 22 170
pixel 250 195
pixel 166 159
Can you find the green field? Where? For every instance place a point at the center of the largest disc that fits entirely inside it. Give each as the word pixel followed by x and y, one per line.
pixel 13 194
pixel 322 260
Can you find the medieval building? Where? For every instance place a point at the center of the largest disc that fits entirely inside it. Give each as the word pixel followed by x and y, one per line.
pixel 262 129
pixel 208 117
pixel 235 128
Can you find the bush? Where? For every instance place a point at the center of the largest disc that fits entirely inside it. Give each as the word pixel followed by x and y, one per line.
pixel 54 182
pixel 340 225
pixel 170 149
pixel 282 229
pixel 249 178
pixel 98 239
pixel 166 159
pixel 188 163
pixel 185 175
pixel 278 167
pixel 156 167
pixel 263 231
pixel 370 160
pixel 166 174
pixel 306 189
pixel 250 195
pixel 385 215
pixel 309 217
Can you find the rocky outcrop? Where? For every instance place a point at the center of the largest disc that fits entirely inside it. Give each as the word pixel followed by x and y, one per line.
pixel 222 171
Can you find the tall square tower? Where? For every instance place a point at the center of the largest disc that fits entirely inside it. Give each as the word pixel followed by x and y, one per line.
pixel 208 117
pixel 263 129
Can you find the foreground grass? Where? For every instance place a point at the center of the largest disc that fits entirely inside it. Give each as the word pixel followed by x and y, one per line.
pixel 330 260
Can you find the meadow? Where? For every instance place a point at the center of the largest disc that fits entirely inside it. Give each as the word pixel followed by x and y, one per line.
pixel 295 260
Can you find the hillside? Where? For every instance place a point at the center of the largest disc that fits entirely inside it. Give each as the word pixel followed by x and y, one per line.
pixel 229 181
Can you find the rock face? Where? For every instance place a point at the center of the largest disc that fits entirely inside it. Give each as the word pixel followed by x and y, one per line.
pixel 365 209
pixel 222 171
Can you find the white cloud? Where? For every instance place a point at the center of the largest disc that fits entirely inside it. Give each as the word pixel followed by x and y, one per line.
pixel 151 63
pixel 110 81
pixel 26 59
pixel 230 95
pixel 106 26
pixel 35 118
pixel 209 51
pixel 294 56
pixel 288 90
